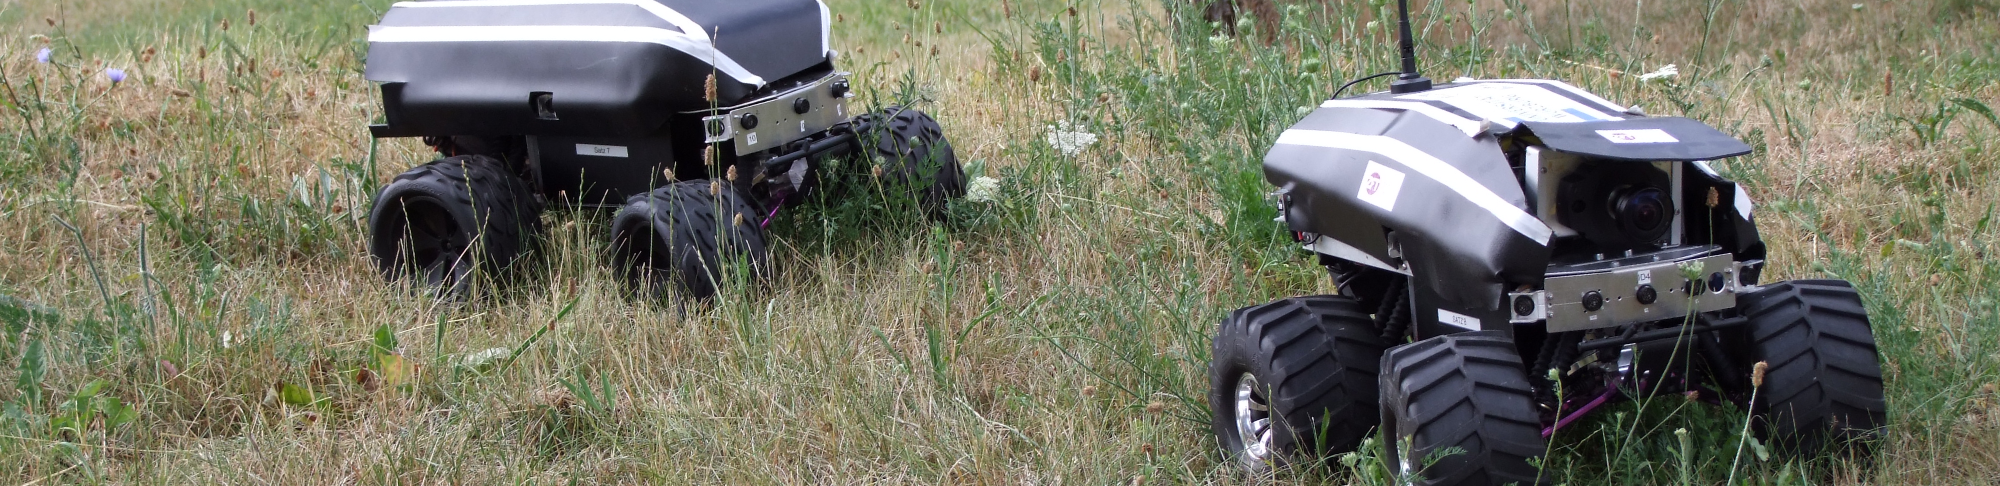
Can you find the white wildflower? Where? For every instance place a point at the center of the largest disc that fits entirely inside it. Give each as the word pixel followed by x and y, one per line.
pixel 1663 73
pixel 484 360
pixel 228 341
pixel 1068 140
pixel 983 190
pixel 1220 41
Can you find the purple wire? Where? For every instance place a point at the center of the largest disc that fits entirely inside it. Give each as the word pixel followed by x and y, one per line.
pixel 1579 412
pixel 774 212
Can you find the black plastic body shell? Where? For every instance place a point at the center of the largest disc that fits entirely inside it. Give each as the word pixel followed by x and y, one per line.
pixel 1458 252
pixel 1454 224
pixel 610 69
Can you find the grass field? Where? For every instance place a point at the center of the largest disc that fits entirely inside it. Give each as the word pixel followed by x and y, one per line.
pixel 188 299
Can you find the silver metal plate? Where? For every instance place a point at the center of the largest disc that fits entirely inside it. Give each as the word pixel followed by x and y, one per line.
pixel 1619 288
pixel 778 122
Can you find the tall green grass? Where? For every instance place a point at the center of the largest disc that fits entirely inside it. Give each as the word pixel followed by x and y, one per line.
pixel 213 317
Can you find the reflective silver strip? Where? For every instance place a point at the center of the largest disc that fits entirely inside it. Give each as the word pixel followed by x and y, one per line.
pixel 825 29
pixel 686 24
pixel 1467 125
pixel 1429 166
pixel 1565 87
pixel 1328 246
pixel 1743 205
pixel 697 48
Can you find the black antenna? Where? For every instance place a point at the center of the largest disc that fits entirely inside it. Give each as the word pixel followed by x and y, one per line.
pixel 1410 81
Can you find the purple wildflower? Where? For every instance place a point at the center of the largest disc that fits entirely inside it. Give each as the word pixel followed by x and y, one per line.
pixel 116 75
pixel 42 56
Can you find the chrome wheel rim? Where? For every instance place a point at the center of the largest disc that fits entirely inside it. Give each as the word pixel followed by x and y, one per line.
pixel 1253 420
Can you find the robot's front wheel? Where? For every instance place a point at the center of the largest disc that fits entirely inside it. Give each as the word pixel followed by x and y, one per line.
pixel 698 236
pixel 1457 410
pixel 440 221
pixel 1294 380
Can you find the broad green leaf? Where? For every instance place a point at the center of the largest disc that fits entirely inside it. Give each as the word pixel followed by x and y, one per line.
pixel 116 412
pixel 394 369
pixel 295 395
pixel 1980 108
pixel 32 369
pixel 385 339
pixel 92 389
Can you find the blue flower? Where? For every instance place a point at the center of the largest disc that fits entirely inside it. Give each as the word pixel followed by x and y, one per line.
pixel 42 56
pixel 116 75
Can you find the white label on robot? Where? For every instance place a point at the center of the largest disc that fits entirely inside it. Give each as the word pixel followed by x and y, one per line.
pixel 1380 185
pixel 1456 319
pixel 1511 103
pixel 750 139
pixel 601 150
pixel 1654 135
pixel 1645 277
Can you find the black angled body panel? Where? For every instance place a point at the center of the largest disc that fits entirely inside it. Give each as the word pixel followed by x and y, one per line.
pixel 1457 213
pixel 615 68
pixel 1661 139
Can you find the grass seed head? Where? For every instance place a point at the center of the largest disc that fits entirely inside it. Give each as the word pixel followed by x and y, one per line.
pixel 1089 391
pixel 1757 374
pixel 1154 408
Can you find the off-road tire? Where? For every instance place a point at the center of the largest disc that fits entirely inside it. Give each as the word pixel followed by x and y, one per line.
pixel 1315 359
pixel 910 149
pixel 1467 391
pixel 689 233
pixel 441 220
pixel 1823 385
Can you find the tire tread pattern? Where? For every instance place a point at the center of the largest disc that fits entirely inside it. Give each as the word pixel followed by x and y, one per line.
pixel 1465 390
pixel 912 150
pixel 1318 357
pixel 1823 385
pixel 476 189
pixel 684 219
